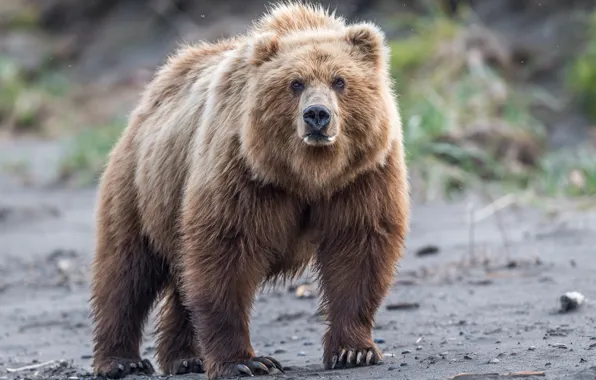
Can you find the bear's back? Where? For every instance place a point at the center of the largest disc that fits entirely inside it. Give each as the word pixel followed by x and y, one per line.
pixel 163 127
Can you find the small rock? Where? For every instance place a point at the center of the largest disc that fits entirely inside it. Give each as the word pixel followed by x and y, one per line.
pixel 560 345
pixel 403 306
pixel 593 345
pixel 582 360
pixel 306 291
pixel 571 301
pixel 307 343
pixel 404 352
pixel 301 353
pixel 418 348
pixel 467 357
pixel 286 317
pixel 392 368
pixel 379 341
pixel 279 351
pixel 403 364
pixel 427 250
pixel 494 361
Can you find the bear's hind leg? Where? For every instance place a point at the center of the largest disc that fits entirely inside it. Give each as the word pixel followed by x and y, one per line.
pixel 177 348
pixel 126 284
pixel 128 276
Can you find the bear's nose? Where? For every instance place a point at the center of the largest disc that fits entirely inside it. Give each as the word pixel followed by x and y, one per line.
pixel 317 117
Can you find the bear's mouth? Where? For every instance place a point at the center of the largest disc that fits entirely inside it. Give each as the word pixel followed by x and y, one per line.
pixel 318 139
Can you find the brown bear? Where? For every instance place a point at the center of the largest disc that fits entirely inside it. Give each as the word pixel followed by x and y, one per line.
pixel 245 161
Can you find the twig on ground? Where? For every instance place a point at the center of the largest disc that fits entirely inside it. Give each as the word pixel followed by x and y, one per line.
pixel 471 225
pixel 494 208
pixel 32 366
pixel 495 375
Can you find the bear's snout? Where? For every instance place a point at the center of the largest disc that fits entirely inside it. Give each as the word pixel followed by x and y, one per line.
pixel 317 118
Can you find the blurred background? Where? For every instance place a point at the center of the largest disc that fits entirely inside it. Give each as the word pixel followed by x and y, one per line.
pixel 500 92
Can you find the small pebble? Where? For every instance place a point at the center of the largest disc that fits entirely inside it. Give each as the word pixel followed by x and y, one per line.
pixel 301 353
pixel 307 343
pixel 404 352
pixel 494 361
pixel 560 345
pixel 418 348
pixel 467 357
pixel 403 364
pixel 532 348
pixel 582 360
pixel 279 351
pixel 379 340
pixel 392 368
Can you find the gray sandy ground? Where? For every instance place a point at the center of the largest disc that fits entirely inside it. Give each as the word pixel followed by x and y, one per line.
pixel 486 307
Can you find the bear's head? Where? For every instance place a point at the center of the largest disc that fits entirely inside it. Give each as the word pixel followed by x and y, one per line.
pixel 321 107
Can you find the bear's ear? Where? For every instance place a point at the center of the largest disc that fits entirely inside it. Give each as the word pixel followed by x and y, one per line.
pixel 368 39
pixel 264 48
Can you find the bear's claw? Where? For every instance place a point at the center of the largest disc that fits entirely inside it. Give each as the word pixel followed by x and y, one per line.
pixel 347 358
pixel 118 368
pixel 255 366
pixel 188 365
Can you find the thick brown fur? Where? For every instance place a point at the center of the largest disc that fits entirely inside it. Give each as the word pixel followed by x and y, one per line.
pixel 214 190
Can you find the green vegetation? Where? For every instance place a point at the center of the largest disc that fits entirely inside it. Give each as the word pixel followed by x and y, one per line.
pixel 465 124
pixel 89 151
pixel 582 74
pixel 567 173
pixel 18 15
pixel 22 100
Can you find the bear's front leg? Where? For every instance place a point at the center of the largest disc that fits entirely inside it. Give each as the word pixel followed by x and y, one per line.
pixel 226 245
pixel 356 273
pixel 219 282
pixel 362 238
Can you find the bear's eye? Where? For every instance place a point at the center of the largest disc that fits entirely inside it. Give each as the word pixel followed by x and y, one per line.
pixel 297 85
pixel 339 83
